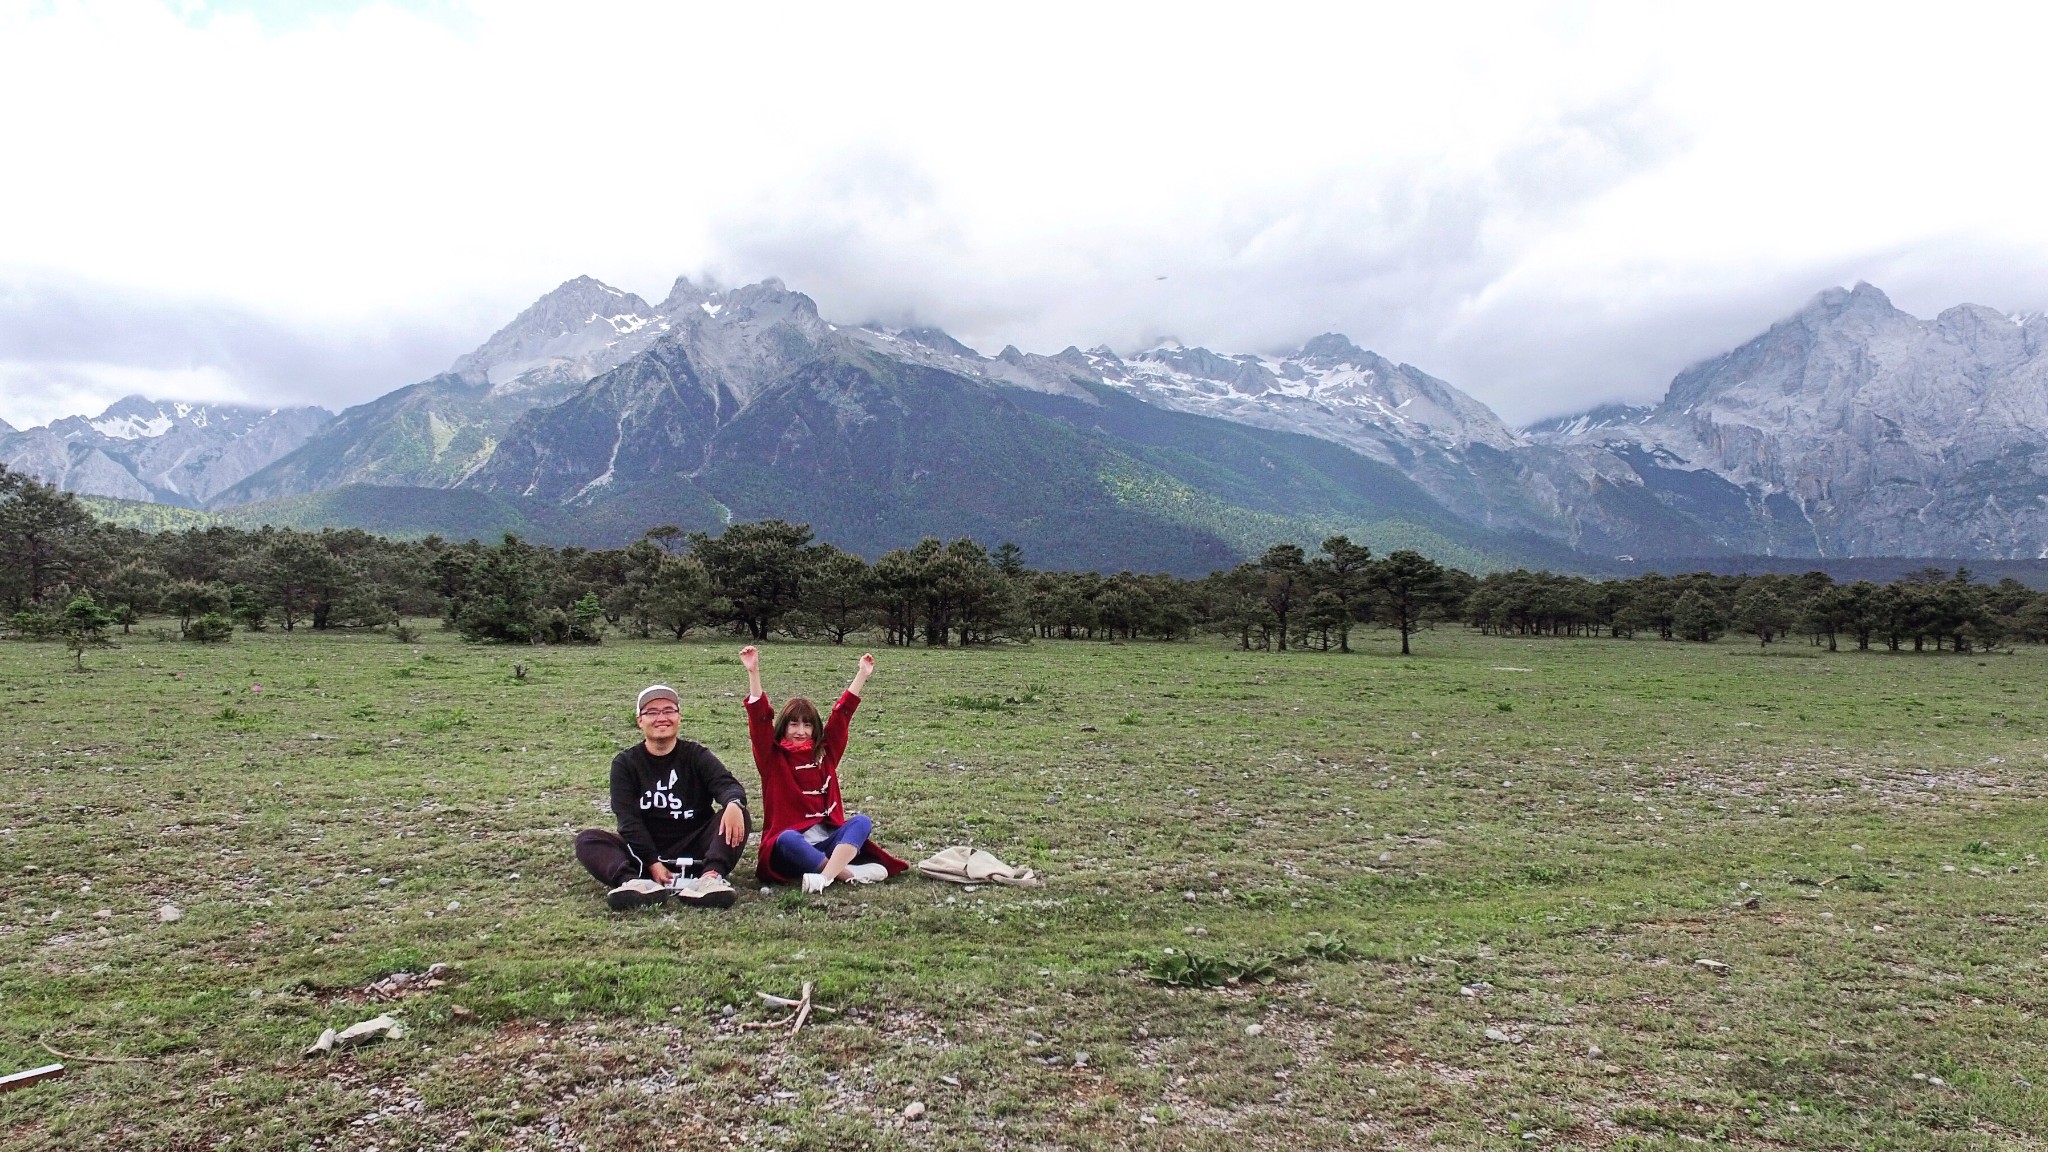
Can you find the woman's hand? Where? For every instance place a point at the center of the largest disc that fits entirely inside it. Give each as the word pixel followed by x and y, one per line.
pixel 861 674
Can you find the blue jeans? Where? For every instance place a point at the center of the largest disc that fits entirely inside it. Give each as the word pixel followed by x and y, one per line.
pixel 793 855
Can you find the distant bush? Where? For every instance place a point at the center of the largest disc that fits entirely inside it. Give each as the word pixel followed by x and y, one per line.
pixel 212 628
pixel 35 624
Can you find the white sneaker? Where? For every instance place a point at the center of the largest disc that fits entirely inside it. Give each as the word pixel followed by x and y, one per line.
pixel 866 873
pixel 706 892
pixel 815 882
pixel 635 893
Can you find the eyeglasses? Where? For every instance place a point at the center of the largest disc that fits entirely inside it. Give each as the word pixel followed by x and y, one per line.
pixel 661 713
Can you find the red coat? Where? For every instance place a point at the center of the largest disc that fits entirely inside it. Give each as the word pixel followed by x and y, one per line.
pixel 797 795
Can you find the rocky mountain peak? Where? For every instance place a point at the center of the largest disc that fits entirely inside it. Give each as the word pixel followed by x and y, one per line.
pixel 941 340
pixel 574 322
pixel 1331 349
pixel 687 294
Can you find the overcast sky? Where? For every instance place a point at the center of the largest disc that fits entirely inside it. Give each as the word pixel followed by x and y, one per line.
pixel 1547 206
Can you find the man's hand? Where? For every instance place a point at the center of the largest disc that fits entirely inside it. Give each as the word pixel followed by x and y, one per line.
pixel 660 872
pixel 733 825
pixel 750 658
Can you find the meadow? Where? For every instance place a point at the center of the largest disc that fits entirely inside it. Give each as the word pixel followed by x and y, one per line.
pixel 1507 893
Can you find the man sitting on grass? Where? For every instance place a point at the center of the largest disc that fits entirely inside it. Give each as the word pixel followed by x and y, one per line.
pixel 682 817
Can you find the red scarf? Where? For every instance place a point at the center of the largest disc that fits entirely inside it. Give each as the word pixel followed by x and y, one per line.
pixel 800 749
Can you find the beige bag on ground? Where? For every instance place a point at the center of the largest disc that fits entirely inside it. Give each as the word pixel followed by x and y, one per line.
pixel 963 865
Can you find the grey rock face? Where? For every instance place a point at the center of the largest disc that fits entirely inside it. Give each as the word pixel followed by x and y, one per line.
pixel 640 419
pixel 1856 429
pixel 439 432
pixel 168 452
pixel 576 331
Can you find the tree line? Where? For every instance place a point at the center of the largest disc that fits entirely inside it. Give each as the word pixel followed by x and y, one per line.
pixel 64 574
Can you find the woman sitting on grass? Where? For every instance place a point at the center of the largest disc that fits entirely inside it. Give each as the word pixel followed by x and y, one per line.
pixel 810 837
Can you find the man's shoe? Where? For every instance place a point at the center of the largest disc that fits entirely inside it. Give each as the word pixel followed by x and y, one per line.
pixel 637 893
pixel 866 873
pixel 705 892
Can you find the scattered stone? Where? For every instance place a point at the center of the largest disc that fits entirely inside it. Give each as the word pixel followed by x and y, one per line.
pixel 1710 965
pixel 375 1028
pixel 1254 1029
pixel 1188 896
pixel 1475 989
pixel 104 914
pixel 728 1011
pixel 30 869
pixel 170 914
pixel 1080 1059
pixel 1385 857
pixel 1087 727
pixel 1937 1081
pixel 914 1110
pixel 1496 1035
pixel 950 1081
pixel 1195 930
pixel 460 1012
pixel 1593 1052
pixel 455 906
pixel 1615 1070
pixel 322 1046
pixel 400 983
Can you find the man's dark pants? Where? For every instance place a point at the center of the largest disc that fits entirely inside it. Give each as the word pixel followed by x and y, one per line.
pixel 608 857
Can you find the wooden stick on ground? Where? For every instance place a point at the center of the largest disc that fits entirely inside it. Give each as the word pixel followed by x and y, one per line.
pixel 97 1059
pixel 773 1000
pixel 32 1076
pixel 803 1011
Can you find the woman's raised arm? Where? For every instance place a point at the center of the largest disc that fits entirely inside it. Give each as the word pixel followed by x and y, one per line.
pixel 751 657
pixel 860 676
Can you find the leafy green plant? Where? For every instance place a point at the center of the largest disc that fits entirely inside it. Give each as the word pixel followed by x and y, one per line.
pixel 1177 969
pixel 1329 947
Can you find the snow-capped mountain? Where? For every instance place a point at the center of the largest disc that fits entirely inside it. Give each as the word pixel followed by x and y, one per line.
pixel 1851 428
pixel 438 431
pixel 162 451
pixel 1329 388
pixel 1856 429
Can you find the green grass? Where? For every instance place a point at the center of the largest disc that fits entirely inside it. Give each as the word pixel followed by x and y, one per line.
pixel 1293 900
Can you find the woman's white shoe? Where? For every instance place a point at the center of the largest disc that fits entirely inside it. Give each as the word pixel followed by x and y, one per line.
pixel 815 882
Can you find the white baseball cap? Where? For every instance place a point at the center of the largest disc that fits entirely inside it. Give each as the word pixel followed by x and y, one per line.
pixel 656 692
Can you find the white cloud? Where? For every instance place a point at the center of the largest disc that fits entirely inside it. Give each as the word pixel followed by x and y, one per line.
pixel 1539 205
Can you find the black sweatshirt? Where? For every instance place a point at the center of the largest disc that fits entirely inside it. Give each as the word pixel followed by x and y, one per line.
pixel 665 803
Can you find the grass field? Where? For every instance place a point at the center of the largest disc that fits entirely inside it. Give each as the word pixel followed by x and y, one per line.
pixel 1482 883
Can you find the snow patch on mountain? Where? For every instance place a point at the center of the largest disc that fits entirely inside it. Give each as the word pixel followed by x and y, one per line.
pixel 1330 388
